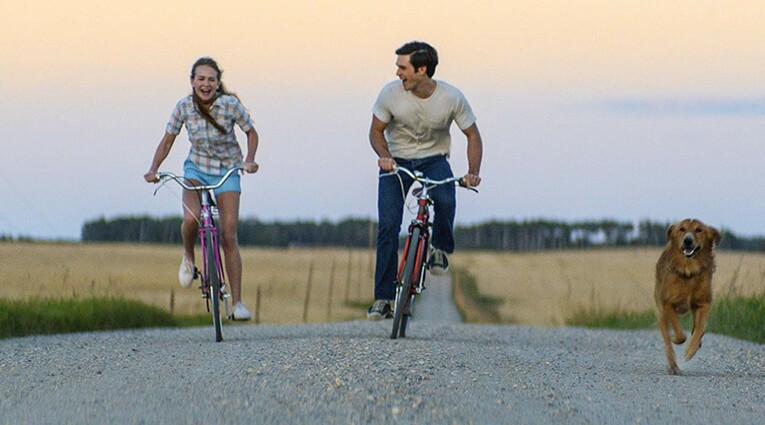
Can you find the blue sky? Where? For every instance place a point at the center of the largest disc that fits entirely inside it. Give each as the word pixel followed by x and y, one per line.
pixel 594 109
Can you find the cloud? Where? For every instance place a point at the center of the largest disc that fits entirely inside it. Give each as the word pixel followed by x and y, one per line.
pixel 719 107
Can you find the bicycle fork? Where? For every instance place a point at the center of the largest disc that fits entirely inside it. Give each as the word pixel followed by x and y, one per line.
pixel 208 220
pixel 418 271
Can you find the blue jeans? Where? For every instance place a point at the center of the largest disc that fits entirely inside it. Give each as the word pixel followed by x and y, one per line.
pixel 390 209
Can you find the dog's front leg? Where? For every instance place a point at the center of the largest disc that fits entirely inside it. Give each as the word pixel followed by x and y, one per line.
pixel 670 352
pixel 675 321
pixel 700 317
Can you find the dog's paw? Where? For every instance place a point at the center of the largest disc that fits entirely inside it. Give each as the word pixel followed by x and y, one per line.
pixel 674 370
pixel 689 353
pixel 679 339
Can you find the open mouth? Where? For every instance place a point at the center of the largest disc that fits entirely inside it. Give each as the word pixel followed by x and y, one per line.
pixel 690 252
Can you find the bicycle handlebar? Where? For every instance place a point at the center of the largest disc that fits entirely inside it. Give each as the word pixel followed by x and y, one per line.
pixel 164 176
pixel 419 177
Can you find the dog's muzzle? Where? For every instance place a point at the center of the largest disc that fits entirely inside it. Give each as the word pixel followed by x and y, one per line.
pixel 689 246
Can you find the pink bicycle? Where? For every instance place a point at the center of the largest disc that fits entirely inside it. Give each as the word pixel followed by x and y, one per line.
pixel 212 283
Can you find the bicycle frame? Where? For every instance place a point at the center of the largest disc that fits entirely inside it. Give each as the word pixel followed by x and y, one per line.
pixel 422 222
pixel 410 279
pixel 212 286
pixel 209 214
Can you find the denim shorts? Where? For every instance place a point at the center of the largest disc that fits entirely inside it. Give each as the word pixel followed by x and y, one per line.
pixel 192 172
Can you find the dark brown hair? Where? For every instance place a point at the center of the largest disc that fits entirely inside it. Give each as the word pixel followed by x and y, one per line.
pixel 420 54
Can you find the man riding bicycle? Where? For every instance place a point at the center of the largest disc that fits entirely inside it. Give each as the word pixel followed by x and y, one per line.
pixel 410 127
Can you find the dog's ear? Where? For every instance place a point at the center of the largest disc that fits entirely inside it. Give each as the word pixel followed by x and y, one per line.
pixel 714 235
pixel 670 229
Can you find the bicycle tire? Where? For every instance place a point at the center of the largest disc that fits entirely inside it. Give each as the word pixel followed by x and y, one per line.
pixel 214 286
pixel 402 295
pixel 405 321
pixel 409 310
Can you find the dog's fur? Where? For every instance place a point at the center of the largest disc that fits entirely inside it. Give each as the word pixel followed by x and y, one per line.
pixel 684 282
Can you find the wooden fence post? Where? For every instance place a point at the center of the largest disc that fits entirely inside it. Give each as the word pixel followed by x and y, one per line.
pixel 331 285
pixel 307 293
pixel 257 305
pixel 348 277
pixel 360 277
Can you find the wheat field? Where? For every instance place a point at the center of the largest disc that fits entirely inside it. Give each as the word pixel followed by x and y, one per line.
pixel 541 288
pixel 149 273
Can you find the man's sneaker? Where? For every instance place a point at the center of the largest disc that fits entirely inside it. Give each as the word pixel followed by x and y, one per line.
pixel 438 263
pixel 240 312
pixel 187 272
pixel 380 310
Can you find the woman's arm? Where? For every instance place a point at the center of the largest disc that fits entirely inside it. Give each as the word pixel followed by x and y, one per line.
pixel 162 151
pixel 250 166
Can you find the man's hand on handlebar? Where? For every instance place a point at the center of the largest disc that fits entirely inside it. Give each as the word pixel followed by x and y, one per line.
pixel 471 180
pixel 386 164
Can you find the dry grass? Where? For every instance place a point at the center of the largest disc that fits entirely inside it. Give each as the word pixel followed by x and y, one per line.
pixel 149 273
pixel 546 287
pixel 538 288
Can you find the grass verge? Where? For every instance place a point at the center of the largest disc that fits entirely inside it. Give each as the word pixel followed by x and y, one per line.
pixel 473 306
pixel 54 316
pixel 738 316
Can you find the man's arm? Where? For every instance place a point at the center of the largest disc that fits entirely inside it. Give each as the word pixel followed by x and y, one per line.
pixel 474 154
pixel 377 140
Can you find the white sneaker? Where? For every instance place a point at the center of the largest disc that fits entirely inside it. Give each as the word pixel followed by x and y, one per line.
pixel 240 312
pixel 186 273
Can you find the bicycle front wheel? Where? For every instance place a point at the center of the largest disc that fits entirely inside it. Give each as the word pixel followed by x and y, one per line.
pixel 403 299
pixel 213 279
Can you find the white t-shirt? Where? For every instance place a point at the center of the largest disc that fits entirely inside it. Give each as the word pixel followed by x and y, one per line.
pixel 419 128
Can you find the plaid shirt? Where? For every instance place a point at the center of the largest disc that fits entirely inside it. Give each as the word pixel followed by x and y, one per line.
pixel 212 151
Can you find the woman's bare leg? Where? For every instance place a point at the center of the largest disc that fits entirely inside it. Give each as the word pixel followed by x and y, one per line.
pixel 190 226
pixel 228 208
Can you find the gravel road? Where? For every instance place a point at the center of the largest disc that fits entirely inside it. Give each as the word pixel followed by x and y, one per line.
pixel 352 373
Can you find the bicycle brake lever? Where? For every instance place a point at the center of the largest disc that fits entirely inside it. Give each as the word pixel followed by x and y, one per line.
pixel 461 182
pixel 162 182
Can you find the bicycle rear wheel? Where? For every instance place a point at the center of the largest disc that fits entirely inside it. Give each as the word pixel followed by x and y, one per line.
pixel 214 285
pixel 403 299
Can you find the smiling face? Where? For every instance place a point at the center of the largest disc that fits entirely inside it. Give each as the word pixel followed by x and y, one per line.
pixel 409 77
pixel 205 82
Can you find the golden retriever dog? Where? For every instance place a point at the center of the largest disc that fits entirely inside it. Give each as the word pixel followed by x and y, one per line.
pixel 684 283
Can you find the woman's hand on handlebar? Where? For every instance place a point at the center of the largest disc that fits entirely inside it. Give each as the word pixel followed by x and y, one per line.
pixel 151 177
pixel 250 167
pixel 387 164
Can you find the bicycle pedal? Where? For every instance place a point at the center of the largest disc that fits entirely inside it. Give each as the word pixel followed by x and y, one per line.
pixel 196 272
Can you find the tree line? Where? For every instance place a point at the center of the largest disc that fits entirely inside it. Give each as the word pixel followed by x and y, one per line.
pixel 531 235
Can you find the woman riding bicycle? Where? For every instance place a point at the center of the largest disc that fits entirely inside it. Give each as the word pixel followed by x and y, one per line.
pixel 209 114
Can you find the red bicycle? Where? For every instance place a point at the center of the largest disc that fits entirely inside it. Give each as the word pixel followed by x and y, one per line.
pixel 410 280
